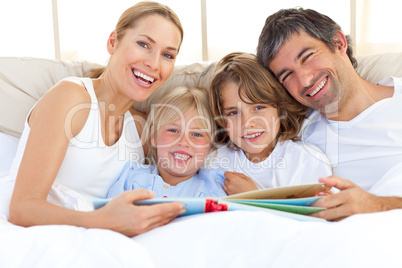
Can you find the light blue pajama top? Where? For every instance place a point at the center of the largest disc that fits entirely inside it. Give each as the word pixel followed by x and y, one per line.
pixel 205 183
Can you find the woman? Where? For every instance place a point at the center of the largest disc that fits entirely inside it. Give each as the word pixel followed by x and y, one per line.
pixel 81 132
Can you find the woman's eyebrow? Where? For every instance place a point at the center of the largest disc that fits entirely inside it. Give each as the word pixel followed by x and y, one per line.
pixel 154 42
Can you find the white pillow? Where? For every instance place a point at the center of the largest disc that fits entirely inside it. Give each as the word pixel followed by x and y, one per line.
pixel 8 145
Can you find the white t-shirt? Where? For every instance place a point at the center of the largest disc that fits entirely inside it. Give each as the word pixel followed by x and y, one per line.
pixel 365 148
pixel 290 163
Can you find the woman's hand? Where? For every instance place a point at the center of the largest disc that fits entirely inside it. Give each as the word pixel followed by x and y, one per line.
pixel 121 215
pixel 238 183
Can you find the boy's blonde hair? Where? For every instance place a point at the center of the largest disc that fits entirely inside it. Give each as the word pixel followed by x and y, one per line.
pixel 256 85
pixel 171 107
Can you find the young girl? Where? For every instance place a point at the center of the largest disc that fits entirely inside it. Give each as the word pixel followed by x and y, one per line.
pixel 259 123
pixel 178 135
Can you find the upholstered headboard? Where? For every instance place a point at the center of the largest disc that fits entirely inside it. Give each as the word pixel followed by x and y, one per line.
pixel 24 80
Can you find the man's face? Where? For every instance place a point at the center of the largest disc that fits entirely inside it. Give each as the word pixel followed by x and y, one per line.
pixel 311 72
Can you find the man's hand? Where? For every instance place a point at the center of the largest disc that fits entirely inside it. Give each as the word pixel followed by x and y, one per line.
pixel 238 183
pixel 351 200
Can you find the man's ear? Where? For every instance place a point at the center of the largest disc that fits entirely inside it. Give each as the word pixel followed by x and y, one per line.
pixel 340 42
pixel 112 42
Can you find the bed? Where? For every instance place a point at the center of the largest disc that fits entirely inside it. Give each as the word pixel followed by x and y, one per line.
pixel 224 239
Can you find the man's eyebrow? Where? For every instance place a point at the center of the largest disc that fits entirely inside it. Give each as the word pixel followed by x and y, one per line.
pixel 153 41
pixel 296 59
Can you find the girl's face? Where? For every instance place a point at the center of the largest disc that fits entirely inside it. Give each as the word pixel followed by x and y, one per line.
pixel 144 58
pixel 182 147
pixel 251 127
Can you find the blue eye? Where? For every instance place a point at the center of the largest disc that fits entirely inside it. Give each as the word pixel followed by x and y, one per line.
pixel 142 44
pixel 173 130
pixel 169 56
pixel 232 113
pixel 197 135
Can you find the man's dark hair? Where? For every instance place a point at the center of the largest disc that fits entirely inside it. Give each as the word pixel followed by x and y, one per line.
pixel 280 26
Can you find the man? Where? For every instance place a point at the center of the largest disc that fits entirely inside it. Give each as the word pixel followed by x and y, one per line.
pixel 357 124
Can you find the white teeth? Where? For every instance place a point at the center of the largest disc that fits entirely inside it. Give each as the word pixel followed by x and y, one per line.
pixel 252 135
pixel 181 156
pixel 318 88
pixel 150 79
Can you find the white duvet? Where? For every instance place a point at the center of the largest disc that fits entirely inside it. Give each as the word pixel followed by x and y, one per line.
pixel 221 239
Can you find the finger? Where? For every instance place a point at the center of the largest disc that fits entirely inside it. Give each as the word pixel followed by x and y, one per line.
pixel 228 174
pixel 225 188
pixel 155 224
pixel 330 201
pixel 325 193
pixel 159 211
pixel 160 214
pixel 242 176
pixel 333 214
pixel 335 181
pixel 134 195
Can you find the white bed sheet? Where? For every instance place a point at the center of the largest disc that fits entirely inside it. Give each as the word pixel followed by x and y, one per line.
pixel 225 239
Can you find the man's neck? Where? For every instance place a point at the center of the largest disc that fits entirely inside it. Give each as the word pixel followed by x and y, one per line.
pixel 364 96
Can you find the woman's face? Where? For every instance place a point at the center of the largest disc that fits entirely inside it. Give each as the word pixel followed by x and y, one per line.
pixel 143 59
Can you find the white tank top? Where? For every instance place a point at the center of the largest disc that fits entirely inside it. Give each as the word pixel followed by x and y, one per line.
pixel 90 167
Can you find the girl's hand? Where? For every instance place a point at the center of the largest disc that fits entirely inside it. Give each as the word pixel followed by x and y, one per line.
pixel 121 215
pixel 238 183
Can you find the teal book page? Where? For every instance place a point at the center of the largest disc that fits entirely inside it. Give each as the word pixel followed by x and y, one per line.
pixel 288 208
pixel 192 205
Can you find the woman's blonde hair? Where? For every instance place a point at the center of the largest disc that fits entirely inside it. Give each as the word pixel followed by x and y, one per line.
pixel 256 85
pixel 129 18
pixel 173 106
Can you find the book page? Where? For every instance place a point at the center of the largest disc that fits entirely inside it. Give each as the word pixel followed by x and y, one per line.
pixel 296 191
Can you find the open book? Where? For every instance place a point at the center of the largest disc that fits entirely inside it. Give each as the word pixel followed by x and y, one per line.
pixel 290 201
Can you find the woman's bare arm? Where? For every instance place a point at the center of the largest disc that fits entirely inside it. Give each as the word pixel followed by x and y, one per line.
pixel 44 153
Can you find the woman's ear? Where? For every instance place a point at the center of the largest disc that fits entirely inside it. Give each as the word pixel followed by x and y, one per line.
pixel 112 42
pixel 340 42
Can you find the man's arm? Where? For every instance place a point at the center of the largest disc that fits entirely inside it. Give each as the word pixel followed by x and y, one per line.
pixel 351 200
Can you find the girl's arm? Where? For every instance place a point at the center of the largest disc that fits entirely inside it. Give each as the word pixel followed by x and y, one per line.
pixel 45 149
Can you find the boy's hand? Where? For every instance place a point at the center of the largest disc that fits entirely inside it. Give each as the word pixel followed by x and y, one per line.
pixel 238 183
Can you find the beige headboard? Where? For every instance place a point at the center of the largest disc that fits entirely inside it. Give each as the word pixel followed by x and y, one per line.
pixel 24 80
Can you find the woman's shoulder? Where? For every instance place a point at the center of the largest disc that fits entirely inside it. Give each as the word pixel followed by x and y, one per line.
pixel 66 93
pixel 64 102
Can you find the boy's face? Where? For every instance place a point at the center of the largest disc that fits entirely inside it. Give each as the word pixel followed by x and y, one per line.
pixel 182 147
pixel 251 127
